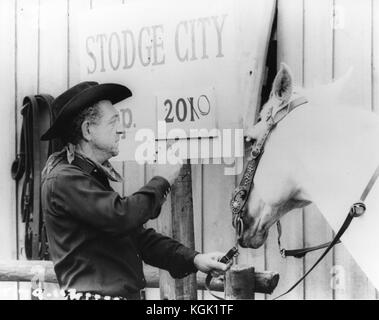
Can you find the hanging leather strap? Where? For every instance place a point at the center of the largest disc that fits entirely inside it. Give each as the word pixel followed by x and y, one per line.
pixel 30 160
pixel 356 210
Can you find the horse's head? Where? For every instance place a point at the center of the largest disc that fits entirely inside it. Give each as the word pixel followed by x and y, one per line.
pixel 274 192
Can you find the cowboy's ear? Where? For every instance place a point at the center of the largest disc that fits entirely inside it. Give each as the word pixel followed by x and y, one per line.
pixel 86 130
pixel 283 84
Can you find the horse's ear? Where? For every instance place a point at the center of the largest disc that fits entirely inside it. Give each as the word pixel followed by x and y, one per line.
pixel 283 84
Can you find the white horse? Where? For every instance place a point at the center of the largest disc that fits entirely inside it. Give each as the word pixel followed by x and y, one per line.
pixel 319 153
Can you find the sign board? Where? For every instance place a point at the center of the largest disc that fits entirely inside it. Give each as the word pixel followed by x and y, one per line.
pixel 194 67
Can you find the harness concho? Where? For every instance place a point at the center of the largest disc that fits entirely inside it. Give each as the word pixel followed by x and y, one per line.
pixel 241 194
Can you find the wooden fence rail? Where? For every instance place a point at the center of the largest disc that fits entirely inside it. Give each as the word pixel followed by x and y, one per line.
pixel 28 270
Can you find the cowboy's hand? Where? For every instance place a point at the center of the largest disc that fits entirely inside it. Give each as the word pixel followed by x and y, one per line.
pixel 209 262
pixel 168 171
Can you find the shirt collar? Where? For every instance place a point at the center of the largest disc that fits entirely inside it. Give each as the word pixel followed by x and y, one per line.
pixel 88 165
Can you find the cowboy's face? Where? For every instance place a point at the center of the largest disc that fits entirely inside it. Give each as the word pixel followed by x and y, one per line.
pixel 106 132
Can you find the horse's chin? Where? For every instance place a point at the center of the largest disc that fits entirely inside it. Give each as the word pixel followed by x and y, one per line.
pixel 253 242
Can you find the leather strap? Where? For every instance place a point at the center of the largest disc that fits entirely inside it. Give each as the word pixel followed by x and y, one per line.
pixel 18 165
pixel 283 112
pixel 356 210
pixel 300 253
pixel 297 253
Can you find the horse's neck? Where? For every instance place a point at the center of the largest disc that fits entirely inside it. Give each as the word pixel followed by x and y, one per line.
pixel 327 156
pixel 337 151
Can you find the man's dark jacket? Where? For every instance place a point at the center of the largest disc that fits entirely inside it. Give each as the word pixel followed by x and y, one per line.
pixel 96 237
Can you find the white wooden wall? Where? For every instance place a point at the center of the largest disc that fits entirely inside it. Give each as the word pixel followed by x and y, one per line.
pixel 38 45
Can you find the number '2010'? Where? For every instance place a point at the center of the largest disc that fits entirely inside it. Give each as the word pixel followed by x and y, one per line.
pixel 181 109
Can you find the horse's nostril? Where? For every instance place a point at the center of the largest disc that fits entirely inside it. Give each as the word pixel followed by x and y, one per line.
pixel 241 243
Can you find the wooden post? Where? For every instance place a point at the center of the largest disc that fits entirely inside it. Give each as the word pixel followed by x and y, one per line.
pixel 182 227
pixel 240 283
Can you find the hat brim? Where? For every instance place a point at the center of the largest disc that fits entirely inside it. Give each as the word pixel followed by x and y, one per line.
pixel 88 97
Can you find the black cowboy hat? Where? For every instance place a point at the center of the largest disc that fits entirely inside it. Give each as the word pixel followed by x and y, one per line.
pixel 71 102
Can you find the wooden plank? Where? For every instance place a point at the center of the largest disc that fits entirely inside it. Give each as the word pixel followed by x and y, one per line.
pixel 375 56
pixel 375 66
pixel 238 284
pixel 134 177
pixel 183 227
pixel 219 234
pixel 353 45
pixel 318 43
pixel 197 195
pixel 290 51
pixel 27 61
pixel 76 10
pixel 8 198
pixel 318 70
pixel 53 67
pixel 352 48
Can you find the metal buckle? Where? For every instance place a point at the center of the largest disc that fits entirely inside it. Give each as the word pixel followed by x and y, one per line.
pixel 238 199
pixel 239 227
pixel 270 121
pixel 255 152
pixel 357 209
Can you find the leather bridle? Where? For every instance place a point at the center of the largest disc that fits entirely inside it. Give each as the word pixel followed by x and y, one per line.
pixel 37 114
pixel 241 193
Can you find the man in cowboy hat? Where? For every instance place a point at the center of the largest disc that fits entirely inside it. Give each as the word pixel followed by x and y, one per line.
pixel 97 240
